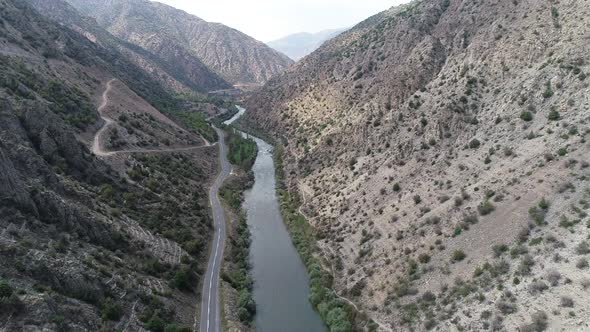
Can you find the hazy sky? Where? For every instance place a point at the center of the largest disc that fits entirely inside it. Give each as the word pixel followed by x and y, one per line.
pixel 267 20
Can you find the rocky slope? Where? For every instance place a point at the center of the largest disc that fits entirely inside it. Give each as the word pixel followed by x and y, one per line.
pixel 298 45
pixel 178 37
pixel 91 244
pixel 439 150
pixel 179 73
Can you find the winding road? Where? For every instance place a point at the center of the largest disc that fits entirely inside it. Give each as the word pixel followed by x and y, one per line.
pixel 210 308
pixel 97 147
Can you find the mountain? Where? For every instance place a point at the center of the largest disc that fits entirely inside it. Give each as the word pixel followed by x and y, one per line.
pixel 298 45
pixel 439 150
pixel 87 243
pixel 180 73
pixel 171 34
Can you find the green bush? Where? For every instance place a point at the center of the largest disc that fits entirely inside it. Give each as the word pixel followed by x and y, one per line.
pixel 548 93
pixel 486 208
pixel 417 199
pixel 554 115
pixel 183 279
pixel 458 255
pixel 526 116
pixel 424 258
pixel 247 306
pixel 111 310
pixel 5 289
pixel 474 144
pixel 156 324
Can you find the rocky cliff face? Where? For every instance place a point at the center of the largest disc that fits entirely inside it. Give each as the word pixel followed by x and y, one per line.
pixel 177 37
pixel 90 244
pixel 422 143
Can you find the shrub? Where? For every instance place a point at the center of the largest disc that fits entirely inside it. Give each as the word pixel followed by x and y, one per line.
pixel 499 249
pixel 537 215
pixel 183 279
pixel 417 199
pixel 554 115
pixel 539 323
pixel 567 302
pixel 156 324
pixel 246 302
pixel 424 258
pixel 526 265
pixel 583 248
pixel 396 187
pixel 537 287
pixel 458 255
pixel 562 152
pixel 526 116
pixel 582 263
pixel 553 277
pixel 548 93
pixel 110 310
pixel 505 307
pixel 486 207
pixel 5 289
pixel 470 218
pixel 544 204
pixel 474 144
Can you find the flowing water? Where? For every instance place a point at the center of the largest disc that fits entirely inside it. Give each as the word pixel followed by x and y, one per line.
pixel 281 283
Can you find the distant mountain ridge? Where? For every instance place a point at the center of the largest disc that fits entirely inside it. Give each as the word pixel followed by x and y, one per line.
pixel 298 45
pixel 175 36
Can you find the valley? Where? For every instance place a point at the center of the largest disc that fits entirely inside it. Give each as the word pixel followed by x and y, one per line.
pixel 425 170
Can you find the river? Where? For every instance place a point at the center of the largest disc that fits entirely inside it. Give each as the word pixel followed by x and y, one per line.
pixel 281 282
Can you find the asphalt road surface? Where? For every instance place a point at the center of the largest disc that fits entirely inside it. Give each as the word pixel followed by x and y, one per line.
pixel 210 316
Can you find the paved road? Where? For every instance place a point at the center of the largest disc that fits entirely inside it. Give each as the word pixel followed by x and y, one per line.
pixel 210 311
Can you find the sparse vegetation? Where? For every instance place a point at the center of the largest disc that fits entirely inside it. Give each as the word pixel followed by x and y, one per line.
pixel 458 255
pixel 486 207
pixel 526 116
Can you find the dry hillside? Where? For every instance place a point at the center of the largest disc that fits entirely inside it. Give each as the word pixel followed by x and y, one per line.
pixel 440 152
pixel 180 74
pixel 87 243
pixel 178 37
